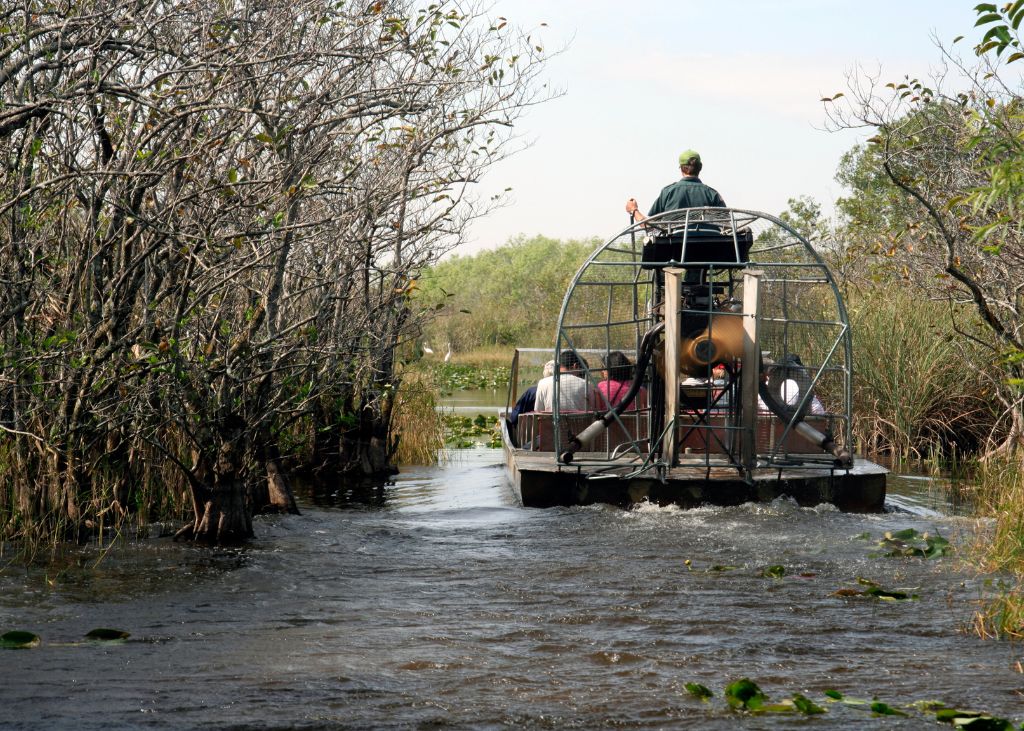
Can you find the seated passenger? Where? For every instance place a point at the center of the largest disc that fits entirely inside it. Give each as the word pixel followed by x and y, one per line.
pixel 574 393
pixel 619 378
pixel 526 401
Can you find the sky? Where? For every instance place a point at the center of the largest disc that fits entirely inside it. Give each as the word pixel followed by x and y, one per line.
pixel 739 81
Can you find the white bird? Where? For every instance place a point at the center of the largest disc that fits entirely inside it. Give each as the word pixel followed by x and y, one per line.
pixel 448 355
pixel 427 349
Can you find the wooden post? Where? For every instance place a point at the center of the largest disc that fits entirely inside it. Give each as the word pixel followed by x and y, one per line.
pixel 750 375
pixel 672 304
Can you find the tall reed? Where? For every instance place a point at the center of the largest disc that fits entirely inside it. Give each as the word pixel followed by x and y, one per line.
pixel 917 383
pixel 996 490
pixel 416 423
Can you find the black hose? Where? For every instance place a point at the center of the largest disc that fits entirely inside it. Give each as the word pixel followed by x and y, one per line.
pixel 825 440
pixel 587 436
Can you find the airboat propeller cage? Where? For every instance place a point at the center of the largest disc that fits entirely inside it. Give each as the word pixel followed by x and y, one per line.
pixel 688 271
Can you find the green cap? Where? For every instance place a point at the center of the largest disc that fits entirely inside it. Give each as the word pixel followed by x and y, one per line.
pixel 686 155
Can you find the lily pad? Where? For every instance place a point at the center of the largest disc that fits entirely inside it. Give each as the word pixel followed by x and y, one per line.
pixel 875 591
pixel 837 696
pixel 773 572
pixel 722 567
pixel 744 694
pixel 973 720
pixel 806 706
pixel 910 543
pixel 105 634
pixel 884 709
pixel 698 690
pixel 18 640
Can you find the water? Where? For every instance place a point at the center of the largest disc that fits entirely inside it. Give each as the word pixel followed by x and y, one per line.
pixel 475 401
pixel 437 602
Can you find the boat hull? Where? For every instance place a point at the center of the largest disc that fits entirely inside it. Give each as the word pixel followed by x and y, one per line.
pixel 539 481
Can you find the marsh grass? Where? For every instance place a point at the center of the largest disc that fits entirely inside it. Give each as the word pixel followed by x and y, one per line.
pixel 995 489
pixel 917 391
pixel 486 356
pixel 416 422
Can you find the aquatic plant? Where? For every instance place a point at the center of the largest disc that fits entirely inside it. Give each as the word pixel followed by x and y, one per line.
pixel 105 634
pixel 416 425
pixel 914 391
pixel 464 432
pixel 874 590
pixel 22 640
pixel 18 640
pixel 744 694
pixel 699 691
pixel 451 377
pixel 973 720
pixel 1001 616
pixel 995 487
pixel 910 543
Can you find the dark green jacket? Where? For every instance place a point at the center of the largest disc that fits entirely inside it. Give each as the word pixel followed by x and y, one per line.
pixel 686 193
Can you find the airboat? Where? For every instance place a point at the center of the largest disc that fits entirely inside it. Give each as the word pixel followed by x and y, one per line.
pixel 741 374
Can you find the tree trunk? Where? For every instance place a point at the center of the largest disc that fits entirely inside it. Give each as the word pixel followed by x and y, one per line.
pixel 221 515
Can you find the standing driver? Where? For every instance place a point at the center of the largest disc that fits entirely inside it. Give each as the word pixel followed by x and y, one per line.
pixel 686 193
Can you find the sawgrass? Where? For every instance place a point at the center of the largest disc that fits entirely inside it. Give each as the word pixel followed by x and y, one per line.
pixel 995 489
pixel 416 422
pixel 918 390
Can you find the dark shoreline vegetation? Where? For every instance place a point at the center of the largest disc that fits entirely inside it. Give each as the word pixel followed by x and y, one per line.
pixel 214 216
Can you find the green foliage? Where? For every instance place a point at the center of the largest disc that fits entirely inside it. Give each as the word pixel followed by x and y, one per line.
pixel 744 694
pixel 1002 24
pixel 973 720
pixel 875 591
pixel 917 385
pixel 910 543
pixel 806 706
pixel 18 640
pixel 506 296
pixel 464 376
pixel 464 432
pixel 884 709
pixel 105 634
pixel 699 691
pixel 416 423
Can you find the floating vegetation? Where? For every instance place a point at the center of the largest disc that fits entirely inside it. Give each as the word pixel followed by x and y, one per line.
pixel 699 691
pixel 104 634
pixel 18 640
pixel 463 377
pixel 721 568
pixel 884 709
pixel 910 543
pixel 745 695
pixel 464 432
pixel 875 591
pixel 775 571
pixel 973 720
pixel 21 640
pixel 806 706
